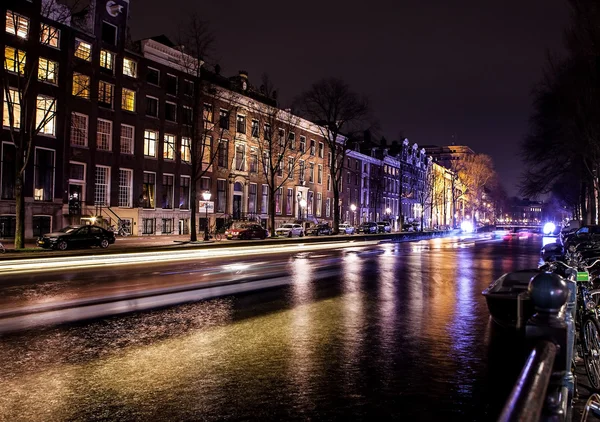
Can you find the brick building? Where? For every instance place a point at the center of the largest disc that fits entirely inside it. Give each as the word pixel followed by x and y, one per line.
pixel 115 144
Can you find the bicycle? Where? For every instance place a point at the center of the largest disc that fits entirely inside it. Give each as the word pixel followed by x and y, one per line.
pixel 2 248
pixel 215 234
pixel 587 327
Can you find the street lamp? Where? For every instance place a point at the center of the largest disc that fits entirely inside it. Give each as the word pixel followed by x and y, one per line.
pixel 206 197
pixel 388 212
pixel 353 209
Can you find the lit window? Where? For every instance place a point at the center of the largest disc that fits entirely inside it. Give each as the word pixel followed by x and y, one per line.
pixel 14 60
pixel 102 186
pixel 129 67
pixel 16 24
pixel 12 104
pixel 169 147
pixel 150 138
pixel 127 139
pixel 79 129
pixel 107 59
pixel 125 187
pixel 45 116
pixel 185 150
pixel 104 135
pixel 105 94
pixel 49 35
pixel 128 100
pixel 48 71
pixel 81 85
pixel 83 50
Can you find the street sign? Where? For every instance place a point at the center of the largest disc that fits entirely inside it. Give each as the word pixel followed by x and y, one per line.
pixel 207 204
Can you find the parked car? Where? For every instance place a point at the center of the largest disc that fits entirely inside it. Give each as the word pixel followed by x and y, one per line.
pixel 290 230
pixel 346 229
pixel 77 237
pixel 367 228
pixel 319 229
pixel 246 231
pixel 384 227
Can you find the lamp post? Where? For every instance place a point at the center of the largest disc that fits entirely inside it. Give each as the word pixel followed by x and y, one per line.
pixel 353 209
pixel 206 196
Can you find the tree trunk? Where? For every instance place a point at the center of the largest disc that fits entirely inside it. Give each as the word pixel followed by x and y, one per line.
pixel 336 210
pixel 19 211
pixel 193 228
pixel 272 211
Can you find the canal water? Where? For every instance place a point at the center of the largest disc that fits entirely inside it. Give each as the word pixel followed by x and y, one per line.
pixel 385 332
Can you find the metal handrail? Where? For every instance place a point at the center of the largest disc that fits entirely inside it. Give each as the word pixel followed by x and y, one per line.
pixel 527 397
pixel 592 404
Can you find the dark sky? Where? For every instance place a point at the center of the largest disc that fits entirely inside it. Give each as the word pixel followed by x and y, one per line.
pixel 438 71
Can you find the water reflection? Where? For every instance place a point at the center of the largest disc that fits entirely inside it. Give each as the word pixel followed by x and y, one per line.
pixel 396 334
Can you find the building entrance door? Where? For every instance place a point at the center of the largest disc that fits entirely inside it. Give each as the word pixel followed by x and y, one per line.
pixel 237 207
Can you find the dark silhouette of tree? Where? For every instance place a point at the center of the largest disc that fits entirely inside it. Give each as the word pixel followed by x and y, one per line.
pixel 342 116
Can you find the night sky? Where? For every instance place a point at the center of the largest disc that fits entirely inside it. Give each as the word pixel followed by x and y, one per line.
pixel 437 71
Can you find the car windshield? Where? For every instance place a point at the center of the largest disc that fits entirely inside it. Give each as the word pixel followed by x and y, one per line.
pixel 68 229
pixel 240 226
pixel 287 226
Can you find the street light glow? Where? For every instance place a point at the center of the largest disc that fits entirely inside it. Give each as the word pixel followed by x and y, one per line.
pixel 353 207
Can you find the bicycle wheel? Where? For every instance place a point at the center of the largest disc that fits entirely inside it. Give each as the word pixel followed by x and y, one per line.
pixel 590 332
pixel 218 237
pixel 2 248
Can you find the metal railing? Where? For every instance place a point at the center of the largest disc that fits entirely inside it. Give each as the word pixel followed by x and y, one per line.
pixel 527 398
pixel 545 387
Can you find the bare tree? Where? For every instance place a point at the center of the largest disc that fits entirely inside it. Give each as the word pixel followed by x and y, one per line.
pixel 30 107
pixel 341 115
pixel 277 147
pixel 477 170
pixel 201 144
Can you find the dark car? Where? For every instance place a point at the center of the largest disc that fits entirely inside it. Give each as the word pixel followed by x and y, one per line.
pixel 384 227
pixel 319 229
pixel 367 228
pixel 77 237
pixel 587 233
pixel 246 231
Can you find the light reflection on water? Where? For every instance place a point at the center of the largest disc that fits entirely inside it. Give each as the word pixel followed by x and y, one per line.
pixel 401 334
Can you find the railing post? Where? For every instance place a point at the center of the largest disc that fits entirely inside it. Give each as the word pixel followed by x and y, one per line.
pixel 549 293
pixel 570 320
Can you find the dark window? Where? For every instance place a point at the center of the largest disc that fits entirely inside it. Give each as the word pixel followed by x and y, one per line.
pixel 148 190
pixel 153 76
pixel 44 175
pixel 184 193
pixel 241 124
pixel 171 84
pixel 188 88
pixel 171 112
pixel 224 119
pixel 267 132
pixel 312 147
pixel 41 225
pixel 205 184
pixel 8 225
pixel 252 198
pixel 151 106
pixel 253 162
pixel 8 171
pixel 148 225
pixel 167 225
pixel 222 159
pixel 187 115
pixel 167 202
pixel 255 129
pixel 221 185
pixel 109 33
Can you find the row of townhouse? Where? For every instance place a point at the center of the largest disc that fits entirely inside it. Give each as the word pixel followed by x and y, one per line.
pixel 115 132
pixel 115 135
